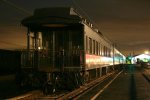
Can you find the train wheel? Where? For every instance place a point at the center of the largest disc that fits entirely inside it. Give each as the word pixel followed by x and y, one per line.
pixel 48 88
pixel 86 76
pixel 35 82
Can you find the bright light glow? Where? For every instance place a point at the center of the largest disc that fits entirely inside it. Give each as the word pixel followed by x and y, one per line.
pixel 146 52
pixel 39 48
pixel 95 60
pixel 143 56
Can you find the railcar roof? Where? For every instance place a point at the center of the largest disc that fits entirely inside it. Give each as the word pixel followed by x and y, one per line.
pixel 57 15
pixel 53 15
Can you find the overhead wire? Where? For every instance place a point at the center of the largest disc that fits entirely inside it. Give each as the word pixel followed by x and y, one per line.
pixel 29 13
pixel 20 9
pixel 85 14
pixel 16 7
pixel 90 19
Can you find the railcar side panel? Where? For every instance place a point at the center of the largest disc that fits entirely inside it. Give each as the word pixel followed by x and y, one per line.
pixel 94 53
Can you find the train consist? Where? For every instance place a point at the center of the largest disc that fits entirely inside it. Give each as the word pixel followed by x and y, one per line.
pixel 64 50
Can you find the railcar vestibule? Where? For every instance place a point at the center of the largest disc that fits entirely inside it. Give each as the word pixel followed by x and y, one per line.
pixel 58 47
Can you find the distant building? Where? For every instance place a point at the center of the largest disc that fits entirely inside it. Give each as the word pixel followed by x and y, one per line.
pixel 140 58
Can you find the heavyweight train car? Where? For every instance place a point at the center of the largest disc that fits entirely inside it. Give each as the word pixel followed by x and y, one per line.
pixel 66 48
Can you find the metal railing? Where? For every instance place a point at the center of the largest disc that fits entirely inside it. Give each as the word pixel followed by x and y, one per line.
pixel 54 59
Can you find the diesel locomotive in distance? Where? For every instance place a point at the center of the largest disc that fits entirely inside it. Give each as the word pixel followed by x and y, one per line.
pixel 64 50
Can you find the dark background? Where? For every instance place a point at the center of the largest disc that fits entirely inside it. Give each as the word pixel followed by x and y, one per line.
pixel 124 22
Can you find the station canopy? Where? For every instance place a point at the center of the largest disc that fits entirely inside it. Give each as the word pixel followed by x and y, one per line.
pixel 141 58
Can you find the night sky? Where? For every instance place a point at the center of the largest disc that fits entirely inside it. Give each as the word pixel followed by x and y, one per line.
pixel 124 22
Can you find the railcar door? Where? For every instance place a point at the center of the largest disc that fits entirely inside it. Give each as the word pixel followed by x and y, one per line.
pixel 64 48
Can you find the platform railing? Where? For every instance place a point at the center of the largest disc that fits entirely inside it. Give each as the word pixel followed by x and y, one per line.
pixel 49 58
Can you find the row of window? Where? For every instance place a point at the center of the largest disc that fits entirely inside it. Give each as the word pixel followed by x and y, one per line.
pixel 96 48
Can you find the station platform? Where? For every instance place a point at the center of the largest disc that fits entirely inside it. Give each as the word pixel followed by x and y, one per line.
pixel 132 84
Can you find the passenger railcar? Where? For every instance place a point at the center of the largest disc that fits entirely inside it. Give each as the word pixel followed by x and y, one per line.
pixel 66 48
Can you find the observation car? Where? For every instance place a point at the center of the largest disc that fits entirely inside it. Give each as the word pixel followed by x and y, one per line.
pixel 66 49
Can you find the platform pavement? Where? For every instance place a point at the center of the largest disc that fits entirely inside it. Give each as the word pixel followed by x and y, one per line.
pixel 130 85
pixel 146 73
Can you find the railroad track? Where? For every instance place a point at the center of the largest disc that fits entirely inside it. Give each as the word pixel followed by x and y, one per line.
pixel 38 95
pixel 77 92
pixel 28 96
pixel 146 74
